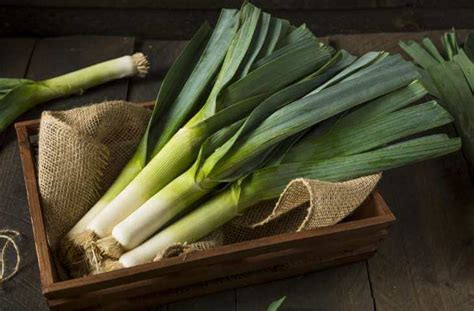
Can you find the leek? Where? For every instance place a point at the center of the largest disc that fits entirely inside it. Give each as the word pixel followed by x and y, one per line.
pixel 169 91
pixel 19 95
pixel 268 182
pixel 227 103
pixel 244 152
pixel 180 92
pixel 319 156
pixel 451 79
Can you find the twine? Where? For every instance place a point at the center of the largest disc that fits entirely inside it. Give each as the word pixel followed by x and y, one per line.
pixel 9 237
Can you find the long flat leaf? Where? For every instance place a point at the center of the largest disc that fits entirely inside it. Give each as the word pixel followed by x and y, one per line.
pixel 170 88
pixel 204 71
pixel 469 46
pixel 372 133
pixel 275 28
pixel 298 34
pixel 233 58
pixel 458 99
pixel 267 183
pixel 362 62
pixel 431 48
pixel 370 111
pixel 276 74
pixel 467 67
pixel 308 111
pixel 256 45
pixel 265 109
pixel 418 53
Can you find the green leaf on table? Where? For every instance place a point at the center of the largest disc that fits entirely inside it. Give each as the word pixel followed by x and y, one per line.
pixel 274 306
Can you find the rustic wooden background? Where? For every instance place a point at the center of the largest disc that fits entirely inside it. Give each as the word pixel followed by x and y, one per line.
pixel 178 19
pixel 427 262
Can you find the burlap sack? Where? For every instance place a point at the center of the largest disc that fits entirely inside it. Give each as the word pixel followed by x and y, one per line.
pixel 81 152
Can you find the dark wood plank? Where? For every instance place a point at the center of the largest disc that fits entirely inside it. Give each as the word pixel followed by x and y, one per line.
pixel 266 4
pixel 210 4
pixel 426 264
pixel 343 288
pixel 215 302
pixel 362 43
pixel 14 56
pixel 181 24
pixel 50 57
pixel 161 55
pixel 22 292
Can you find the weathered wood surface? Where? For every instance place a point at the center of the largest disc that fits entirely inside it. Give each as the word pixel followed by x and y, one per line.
pixel 178 20
pixel 426 264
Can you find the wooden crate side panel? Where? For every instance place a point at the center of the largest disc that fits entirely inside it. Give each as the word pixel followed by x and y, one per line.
pixel 221 254
pixel 326 249
pixel 240 271
pixel 45 259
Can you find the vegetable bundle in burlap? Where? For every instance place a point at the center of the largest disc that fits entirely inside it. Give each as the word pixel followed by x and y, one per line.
pixel 82 150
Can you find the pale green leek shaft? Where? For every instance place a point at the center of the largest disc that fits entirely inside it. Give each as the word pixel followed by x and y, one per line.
pixel 30 93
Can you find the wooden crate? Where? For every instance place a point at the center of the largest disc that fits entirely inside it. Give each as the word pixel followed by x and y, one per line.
pixel 200 273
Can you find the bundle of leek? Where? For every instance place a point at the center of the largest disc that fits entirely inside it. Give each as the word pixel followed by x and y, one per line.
pixel 19 95
pixel 257 60
pixel 450 77
pixel 370 77
pixel 331 156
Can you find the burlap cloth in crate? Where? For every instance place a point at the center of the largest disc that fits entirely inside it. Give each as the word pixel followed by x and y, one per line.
pixel 82 150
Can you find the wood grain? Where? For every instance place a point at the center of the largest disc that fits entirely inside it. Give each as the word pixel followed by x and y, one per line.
pixel 267 4
pixel 173 24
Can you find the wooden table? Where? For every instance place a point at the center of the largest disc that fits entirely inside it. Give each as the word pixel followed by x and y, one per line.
pixel 426 264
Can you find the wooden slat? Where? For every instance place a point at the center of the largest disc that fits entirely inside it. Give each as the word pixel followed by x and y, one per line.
pixel 210 4
pixel 45 261
pixel 267 4
pixel 161 55
pixel 23 291
pixel 181 24
pixel 270 273
pixel 433 242
pixel 229 268
pixel 343 288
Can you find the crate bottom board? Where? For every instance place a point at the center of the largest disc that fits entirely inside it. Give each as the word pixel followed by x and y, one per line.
pixel 276 272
